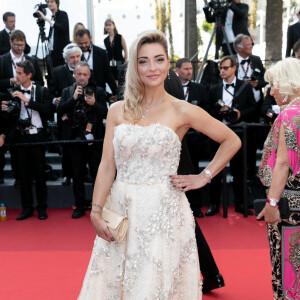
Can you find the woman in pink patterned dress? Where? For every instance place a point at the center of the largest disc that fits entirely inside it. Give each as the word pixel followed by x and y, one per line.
pixel 280 173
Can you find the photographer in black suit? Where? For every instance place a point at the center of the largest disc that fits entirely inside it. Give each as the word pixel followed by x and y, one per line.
pixel 27 119
pixel 231 101
pixel 9 20
pixel 234 18
pixel 250 69
pixel 59 35
pixel 293 35
pixel 97 60
pixel 61 78
pixel 83 108
pixel 196 94
pixel 8 62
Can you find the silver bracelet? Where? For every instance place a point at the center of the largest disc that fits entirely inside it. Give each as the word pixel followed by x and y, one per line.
pixel 207 172
pixel 97 205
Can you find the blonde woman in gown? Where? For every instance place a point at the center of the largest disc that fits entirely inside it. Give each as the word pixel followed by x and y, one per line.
pixel 158 258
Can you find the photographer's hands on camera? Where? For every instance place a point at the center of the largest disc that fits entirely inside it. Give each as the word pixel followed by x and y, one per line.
pixel 253 83
pixel 89 98
pixel 16 94
pixel 226 108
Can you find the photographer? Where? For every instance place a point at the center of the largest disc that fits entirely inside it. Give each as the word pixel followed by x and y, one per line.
pixel 233 15
pixel 9 60
pixel 27 119
pixel 250 69
pixel 59 35
pixel 83 108
pixel 61 78
pixel 231 101
pixel 9 20
pixel 97 60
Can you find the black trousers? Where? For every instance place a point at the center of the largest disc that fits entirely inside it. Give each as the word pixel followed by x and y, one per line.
pixel 208 265
pixel 79 156
pixel 2 160
pixel 31 162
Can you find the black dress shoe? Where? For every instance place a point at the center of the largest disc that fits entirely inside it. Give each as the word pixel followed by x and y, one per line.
pixel 213 209
pixel 42 214
pixel 78 213
pixel 212 283
pixel 26 213
pixel 197 212
pixel 66 181
pixel 240 209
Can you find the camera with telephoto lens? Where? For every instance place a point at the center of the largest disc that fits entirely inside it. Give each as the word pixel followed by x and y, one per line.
pixel 230 115
pixel 41 23
pixel 78 116
pixel 14 104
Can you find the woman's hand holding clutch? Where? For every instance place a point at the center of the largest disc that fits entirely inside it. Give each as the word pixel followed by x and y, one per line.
pixel 101 228
pixel 270 213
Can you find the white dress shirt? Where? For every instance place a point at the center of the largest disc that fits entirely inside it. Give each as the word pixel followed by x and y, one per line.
pixel 228 94
pixel 25 113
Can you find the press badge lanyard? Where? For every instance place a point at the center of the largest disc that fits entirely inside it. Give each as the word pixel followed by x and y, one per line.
pixel 186 96
pixel 87 59
pixel 13 63
pixel 247 70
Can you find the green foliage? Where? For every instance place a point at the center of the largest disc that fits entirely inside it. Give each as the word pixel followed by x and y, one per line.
pixel 207 27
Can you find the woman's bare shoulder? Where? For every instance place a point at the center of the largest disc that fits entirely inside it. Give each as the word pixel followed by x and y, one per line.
pixel 115 112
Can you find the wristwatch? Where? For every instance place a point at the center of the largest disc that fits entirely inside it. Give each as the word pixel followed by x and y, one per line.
pixel 273 202
pixel 207 172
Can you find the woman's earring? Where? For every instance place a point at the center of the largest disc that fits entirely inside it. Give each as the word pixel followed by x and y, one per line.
pixel 169 74
pixel 285 99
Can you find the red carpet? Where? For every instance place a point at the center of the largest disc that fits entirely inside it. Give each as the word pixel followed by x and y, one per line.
pixel 43 260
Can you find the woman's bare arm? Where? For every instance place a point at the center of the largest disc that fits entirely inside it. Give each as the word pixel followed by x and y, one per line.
pixel 279 180
pixel 230 143
pixel 106 175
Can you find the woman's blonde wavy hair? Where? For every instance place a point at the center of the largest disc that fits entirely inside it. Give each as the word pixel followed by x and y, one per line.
pixel 285 76
pixel 134 88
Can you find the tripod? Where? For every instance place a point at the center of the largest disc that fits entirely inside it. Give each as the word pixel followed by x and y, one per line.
pixel 218 26
pixel 46 58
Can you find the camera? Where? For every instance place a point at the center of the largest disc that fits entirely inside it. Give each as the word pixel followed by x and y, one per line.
pixel 78 116
pixel 41 7
pixel 219 5
pixel 14 104
pixel 24 123
pixel 41 23
pixel 230 115
pixel 255 75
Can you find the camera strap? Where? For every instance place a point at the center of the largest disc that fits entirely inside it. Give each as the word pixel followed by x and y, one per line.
pixel 239 90
pixel 247 70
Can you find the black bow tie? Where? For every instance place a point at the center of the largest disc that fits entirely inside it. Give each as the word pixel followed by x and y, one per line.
pixel 245 61
pixel 26 91
pixel 229 84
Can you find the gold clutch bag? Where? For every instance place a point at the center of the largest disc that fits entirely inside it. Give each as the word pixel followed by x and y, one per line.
pixel 117 224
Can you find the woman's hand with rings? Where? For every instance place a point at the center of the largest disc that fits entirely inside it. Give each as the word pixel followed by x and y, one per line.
pixel 189 182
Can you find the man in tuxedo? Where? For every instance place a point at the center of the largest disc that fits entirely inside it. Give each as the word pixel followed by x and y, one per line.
pixel 195 94
pixel 250 69
pixel 61 78
pixel 237 104
pixel 59 35
pixel 82 112
pixel 8 78
pixel 234 19
pixel 97 60
pixel 212 279
pixel 8 62
pixel 9 20
pixel 28 125
pixel 293 34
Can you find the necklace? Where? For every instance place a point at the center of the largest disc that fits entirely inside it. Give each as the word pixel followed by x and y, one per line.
pixel 150 107
pixel 292 102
